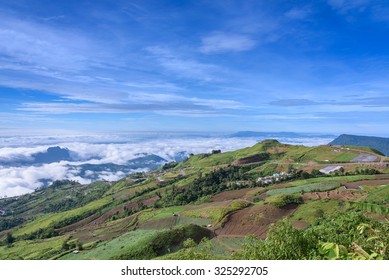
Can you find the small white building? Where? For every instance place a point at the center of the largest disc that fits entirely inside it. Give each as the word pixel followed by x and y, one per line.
pixel 329 169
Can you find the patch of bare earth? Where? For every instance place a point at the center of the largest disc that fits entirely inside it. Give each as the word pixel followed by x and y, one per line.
pixel 339 194
pixel 277 150
pixel 368 182
pixel 247 160
pixel 253 220
pixel 121 208
pixel 163 223
pixel 230 195
pixel 103 232
pixel 300 224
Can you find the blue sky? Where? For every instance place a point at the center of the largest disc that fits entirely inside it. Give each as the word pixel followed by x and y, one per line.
pixel 157 65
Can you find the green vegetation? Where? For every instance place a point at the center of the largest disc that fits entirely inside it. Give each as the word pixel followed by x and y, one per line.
pixel 378 143
pixel 150 215
pixel 51 221
pixel 129 241
pixel 312 210
pixel 210 183
pixel 32 249
pixel 217 213
pixel 315 187
pixel 370 207
pixel 283 200
pixel 165 242
pixel 379 195
pixel 166 213
pixel 286 243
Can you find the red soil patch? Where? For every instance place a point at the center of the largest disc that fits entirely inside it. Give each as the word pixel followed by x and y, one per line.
pixel 230 195
pixel 253 220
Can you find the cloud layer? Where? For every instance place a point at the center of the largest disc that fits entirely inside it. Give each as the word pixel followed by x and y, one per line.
pixel 18 180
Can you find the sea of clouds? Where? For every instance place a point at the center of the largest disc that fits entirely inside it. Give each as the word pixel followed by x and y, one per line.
pixel 99 149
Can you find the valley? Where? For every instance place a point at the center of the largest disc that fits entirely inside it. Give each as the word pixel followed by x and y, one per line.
pixel 218 205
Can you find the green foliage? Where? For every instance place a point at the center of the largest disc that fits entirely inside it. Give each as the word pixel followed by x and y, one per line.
pixel 9 239
pixel 77 199
pixel 61 183
pixel 370 207
pixel 341 236
pixel 211 183
pixel 169 165
pixel 217 213
pixel 379 143
pixel 315 187
pixel 283 200
pixel 282 243
pixel 193 251
pixel 33 250
pixel 311 210
pixel 332 251
pixel 41 227
pixel 378 195
pixel 7 223
pixel 377 238
pixel 166 242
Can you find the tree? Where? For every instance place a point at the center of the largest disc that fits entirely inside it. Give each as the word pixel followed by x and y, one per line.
pixel 9 239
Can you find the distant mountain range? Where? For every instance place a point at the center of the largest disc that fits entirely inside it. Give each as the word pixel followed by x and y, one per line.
pixel 381 144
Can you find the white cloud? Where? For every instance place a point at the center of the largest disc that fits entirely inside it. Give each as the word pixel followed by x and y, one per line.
pixel 41 49
pixel 137 102
pixel 224 42
pixel 298 13
pixel 345 6
pixel 108 176
pixel 184 67
pixel 24 179
pixel 20 153
pixel 19 180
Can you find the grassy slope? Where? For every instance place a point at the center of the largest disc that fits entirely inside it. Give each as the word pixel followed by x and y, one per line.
pixel 49 220
pixel 128 191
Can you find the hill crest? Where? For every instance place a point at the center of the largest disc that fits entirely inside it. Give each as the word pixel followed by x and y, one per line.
pixel 380 144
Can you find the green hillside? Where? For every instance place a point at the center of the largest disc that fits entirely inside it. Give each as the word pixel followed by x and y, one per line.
pixel 380 144
pixel 206 206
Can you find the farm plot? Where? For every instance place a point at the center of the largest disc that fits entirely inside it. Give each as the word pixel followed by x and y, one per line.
pixel 315 187
pixel 253 220
pixel 370 207
pixel 230 195
pixel 310 211
pixel 107 250
pixel 337 194
pixel 101 232
pixel 364 158
pixel 225 246
pixel 170 222
pixel 120 209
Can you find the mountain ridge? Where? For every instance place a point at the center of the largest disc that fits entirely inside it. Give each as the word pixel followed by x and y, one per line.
pixel 380 144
